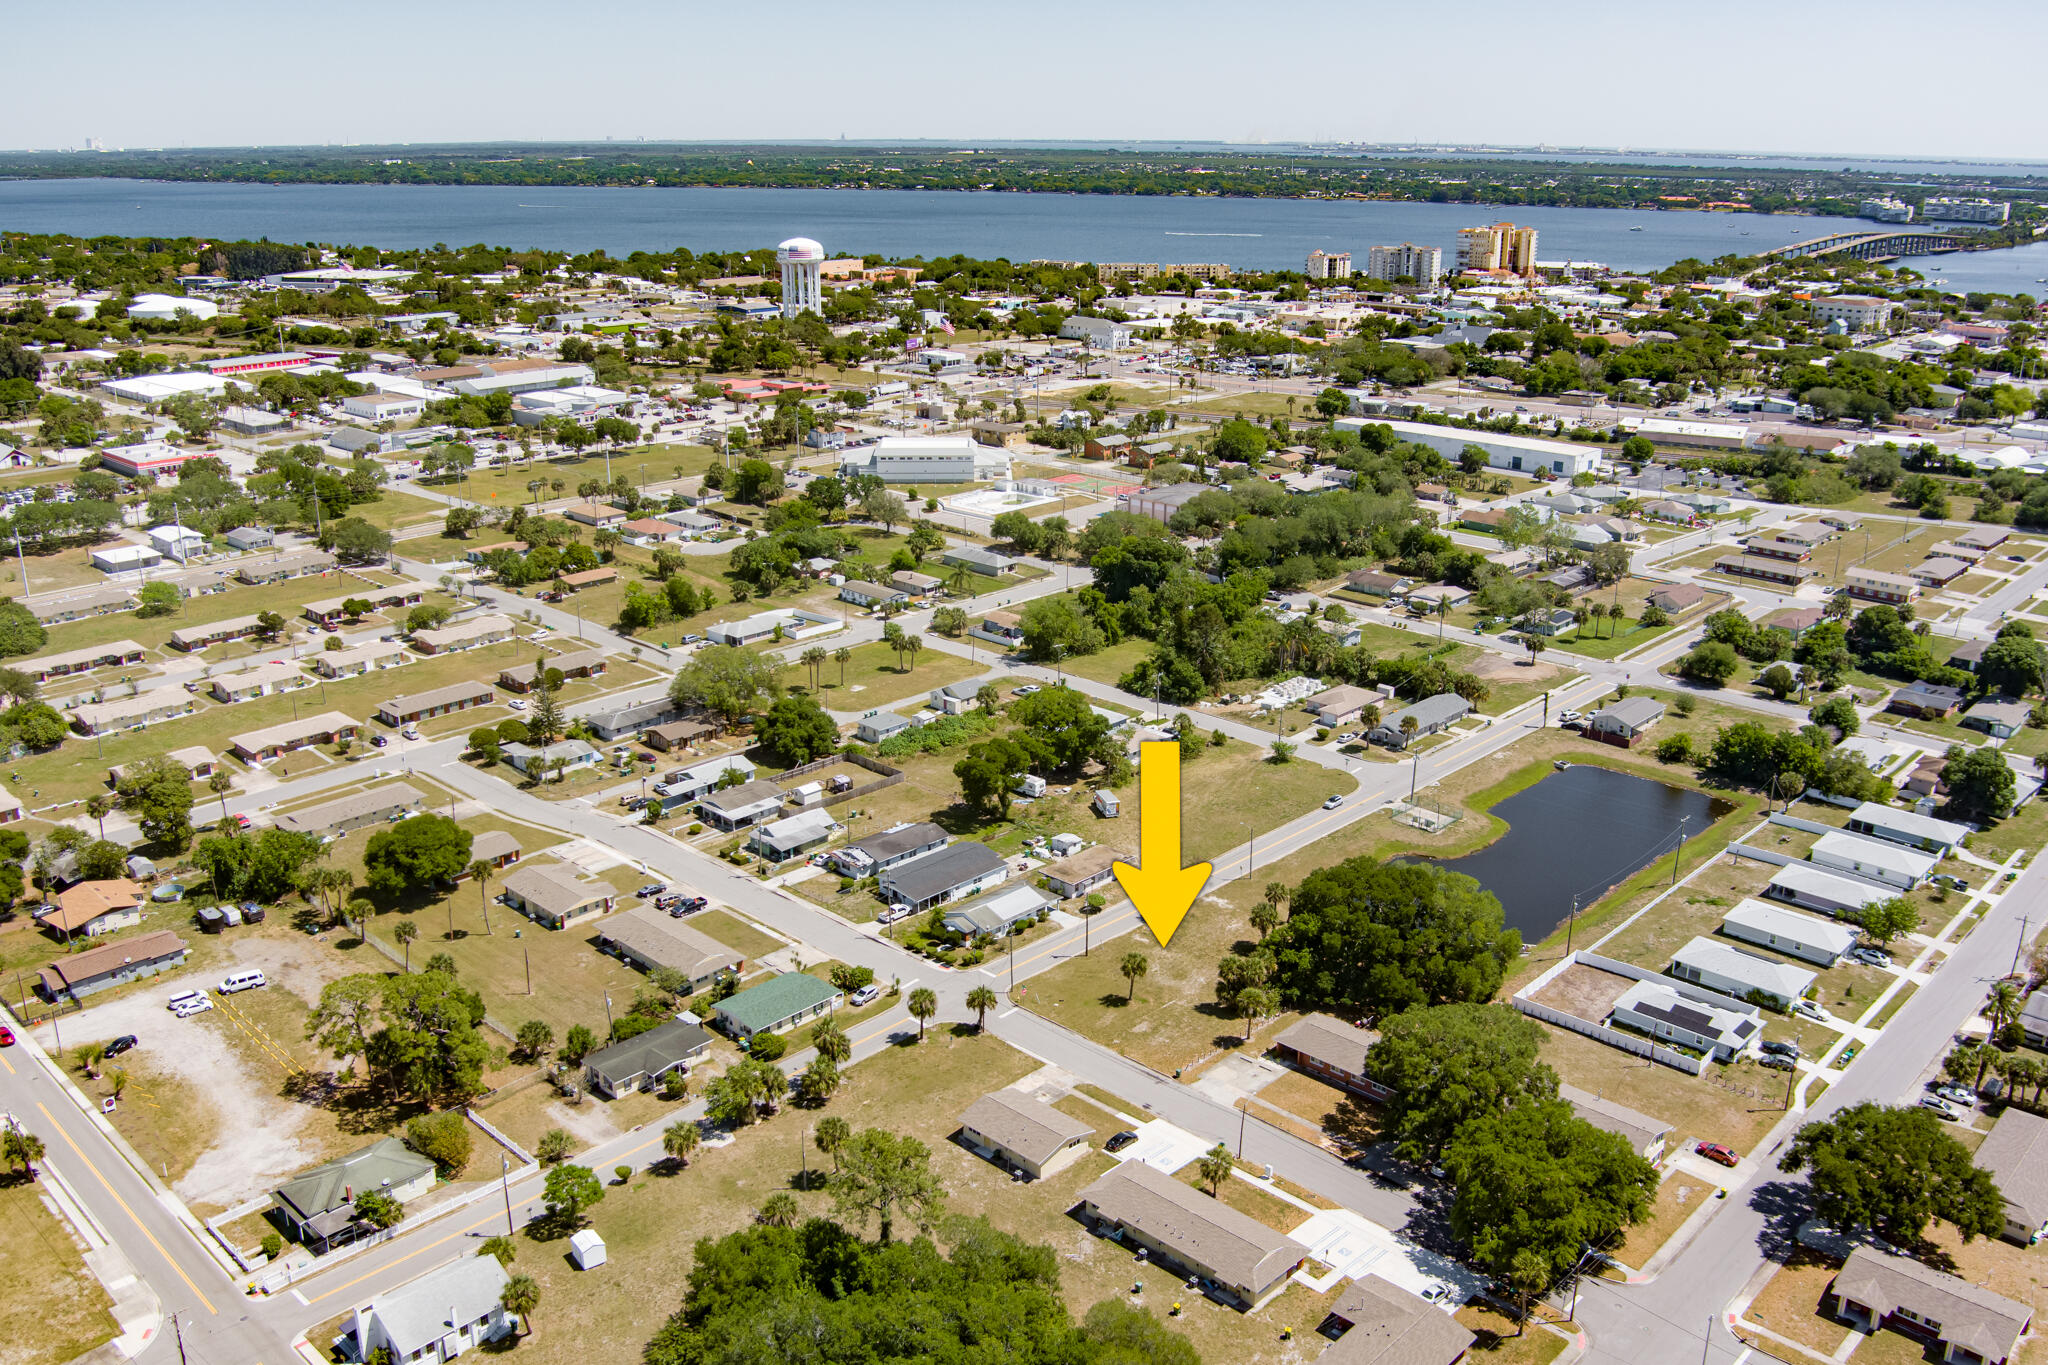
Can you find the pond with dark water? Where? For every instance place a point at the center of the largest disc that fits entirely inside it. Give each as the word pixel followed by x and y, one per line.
pixel 1580 832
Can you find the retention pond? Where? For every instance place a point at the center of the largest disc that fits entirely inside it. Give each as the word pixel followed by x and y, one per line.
pixel 1577 834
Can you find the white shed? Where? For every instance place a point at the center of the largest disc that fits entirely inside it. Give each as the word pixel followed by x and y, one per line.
pixel 588 1249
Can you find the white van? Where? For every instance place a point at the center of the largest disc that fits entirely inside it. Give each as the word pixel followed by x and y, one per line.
pixel 242 981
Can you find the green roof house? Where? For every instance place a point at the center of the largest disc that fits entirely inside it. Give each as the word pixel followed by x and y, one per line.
pixel 783 1002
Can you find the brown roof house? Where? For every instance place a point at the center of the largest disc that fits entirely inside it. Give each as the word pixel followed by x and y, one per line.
pixel 1379 1323
pixel 94 908
pixel 111 964
pixel 1879 1289
pixel 653 939
pixel 1014 1130
pixel 1242 1258
pixel 1331 1050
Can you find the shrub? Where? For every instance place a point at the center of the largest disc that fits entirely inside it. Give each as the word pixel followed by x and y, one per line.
pixel 1675 749
pixel 767 1047
pixel 272 1246
pixel 442 1138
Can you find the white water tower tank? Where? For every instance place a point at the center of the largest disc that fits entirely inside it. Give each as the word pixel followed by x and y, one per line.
pixel 800 258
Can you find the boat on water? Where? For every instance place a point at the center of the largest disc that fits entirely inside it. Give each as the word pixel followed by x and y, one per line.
pixel 1637 228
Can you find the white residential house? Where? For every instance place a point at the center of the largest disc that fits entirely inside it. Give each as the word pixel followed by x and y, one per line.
pixel 1876 859
pixel 1723 1030
pixel 1924 832
pixel 1739 973
pixel 438 1316
pixel 1789 931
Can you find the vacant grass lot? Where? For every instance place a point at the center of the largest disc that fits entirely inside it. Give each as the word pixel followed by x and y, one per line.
pixel 52 1310
pixel 1678 1199
pixel 920 1090
pixel 872 678
pixel 1790 1304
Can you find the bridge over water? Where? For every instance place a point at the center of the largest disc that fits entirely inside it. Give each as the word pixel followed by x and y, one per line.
pixel 1877 246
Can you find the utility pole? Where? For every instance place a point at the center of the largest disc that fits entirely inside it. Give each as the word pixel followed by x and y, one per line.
pixel 1681 849
pixel 1243 1108
pixel 505 1182
pixel 2019 947
pixel 1570 923
pixel 179 1328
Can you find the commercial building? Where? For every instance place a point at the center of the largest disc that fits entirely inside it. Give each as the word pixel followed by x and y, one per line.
pixel 160 388
pixel 1515 454
pixel 1885 210
pixel 319 1205
pixel 1242 1258
pixel 508 376
pixel 338 817
pixel 1498 247
pixel 1327 265
pixel 1023 1134
pixel 1423 264
pixel 1739 973
pixel 1857 312
pixel 149 458
pixel 383 407
pixel 927 459
pixel 1104 334
pixel 1160 503
pixel 550 895
pixel 651 939
pixel 110 964
pixel 583 403
pixel 641 1061
pixel 439 1316
pixel 781 1002
pixel 1818 941
pixel 440 702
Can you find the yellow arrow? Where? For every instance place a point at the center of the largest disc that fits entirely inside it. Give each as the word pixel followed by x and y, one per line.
pixel 1158 885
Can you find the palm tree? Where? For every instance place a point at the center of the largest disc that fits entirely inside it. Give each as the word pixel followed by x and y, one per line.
pixel 1534 643
pixel 405 931
pixel 117 1081
pixel 481 871
pixel 912 644
pixel 813 659
pixel 780 1211
pixel 892 636
pixel 2004 1006
pixel 957 581
pixel 1409 725
pixel 220 783
pixel 521 1296
pixel 102 805
pixel 833 1133
pixel 1443 612
pixel 1265 919
pixel 981 1000
pixel 1131 967
pixel 924 1003
pixel 89 1056
pixel 19 1147
pixel 831 1042
pixel 841 656
pixel 678 1140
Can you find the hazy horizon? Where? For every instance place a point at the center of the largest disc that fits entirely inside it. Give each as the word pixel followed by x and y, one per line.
pixel 1748 79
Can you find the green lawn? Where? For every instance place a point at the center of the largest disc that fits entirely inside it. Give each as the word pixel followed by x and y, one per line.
pixel 505 486
pixel 871 677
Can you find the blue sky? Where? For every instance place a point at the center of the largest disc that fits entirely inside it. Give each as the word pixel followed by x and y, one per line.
pixel 1876 77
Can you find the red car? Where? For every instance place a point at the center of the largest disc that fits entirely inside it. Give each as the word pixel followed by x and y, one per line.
pixel 1714 1151
pixel 6 1036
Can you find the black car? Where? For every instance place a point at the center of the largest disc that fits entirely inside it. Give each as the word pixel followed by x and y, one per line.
pixel 1120 1141
pixel 1777 1061
pixel 1774 1048
pixel 380 741
pixel 120 1045
pixel 651 889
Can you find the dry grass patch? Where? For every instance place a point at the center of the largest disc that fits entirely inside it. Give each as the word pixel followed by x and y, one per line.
pixel 52 1310
pixel 1695 1107
pixel 1678 1198
pixel 1497 1343
pixel 1790 1303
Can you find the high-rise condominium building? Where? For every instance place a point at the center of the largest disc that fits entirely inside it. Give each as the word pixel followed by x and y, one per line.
pixel 1423 264
pixel 1498 246
pixel 1328 265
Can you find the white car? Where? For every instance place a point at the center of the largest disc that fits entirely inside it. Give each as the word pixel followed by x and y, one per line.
pixel 185 1004
pixel 1940 1106
pixel 1567 715
pixel 1810 1010
pixel 1871 957
pixel 866 995
pixel 517 703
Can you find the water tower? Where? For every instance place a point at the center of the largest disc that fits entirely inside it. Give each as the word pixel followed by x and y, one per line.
pixel 800 258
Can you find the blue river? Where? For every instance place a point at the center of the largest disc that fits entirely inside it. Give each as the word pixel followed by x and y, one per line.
pixel 1260 233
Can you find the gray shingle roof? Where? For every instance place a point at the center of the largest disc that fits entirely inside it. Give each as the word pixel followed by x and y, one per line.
pixel 416 1315
pixel 658 1049
pixel 1329 1040
pixel 1390 1326
pixel 2016 1155
pixel 941 870
pixel 1205 1233
pixel 388 1163
pixel 1031 1128
pixel 1989 1324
